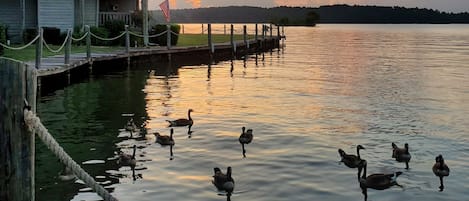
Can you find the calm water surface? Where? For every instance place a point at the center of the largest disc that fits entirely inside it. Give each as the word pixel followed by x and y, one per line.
pixel 332 86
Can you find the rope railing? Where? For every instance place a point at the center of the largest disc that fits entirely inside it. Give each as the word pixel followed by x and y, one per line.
pixel 22 47
pixel 34 125
pixel 60 48
pixel 107 39
pixel 174 33
pixel 81 38
pixel 150 36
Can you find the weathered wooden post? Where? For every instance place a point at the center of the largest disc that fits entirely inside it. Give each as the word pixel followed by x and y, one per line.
pixel 127 40
pixel 245 36
pixel 270 30
pixel 257 34
pixel 203 31
pixel 233 46
pixel 210 42
pixel 88 43
pixel 39 48
pixel 278 32
pixel 68 46
pixel 168 36
pixel 17 147
pixel 224 29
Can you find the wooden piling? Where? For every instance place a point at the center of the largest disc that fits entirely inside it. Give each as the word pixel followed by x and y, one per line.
pixel 210 42
pixel 39 48
pixel 127 39
pixel 168 36
pixel 88 43
pixel 68 47
pixel 245 36
pixel 233 46
pixel 17 84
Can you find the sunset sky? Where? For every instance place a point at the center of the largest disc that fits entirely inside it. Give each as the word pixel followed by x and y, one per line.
pixel 442 5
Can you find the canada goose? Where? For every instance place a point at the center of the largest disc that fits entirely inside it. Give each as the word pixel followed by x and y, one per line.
pixel 164 139
pixel 151 137
pixel 126 159
pixel 182 122
pixel 130 125
pixel 401 154
pixel 245 138
pixel 440 169
pixel 222 181
pixel 351 160
pixel 378 181
pixel 66 174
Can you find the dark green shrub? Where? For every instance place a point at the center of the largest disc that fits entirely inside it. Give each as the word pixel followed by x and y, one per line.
pixel 29 35
pixel 115 28
pixel 78 33
pixel 101 32
pixel 162 40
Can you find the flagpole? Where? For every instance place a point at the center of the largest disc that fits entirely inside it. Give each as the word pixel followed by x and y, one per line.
pixel 145 22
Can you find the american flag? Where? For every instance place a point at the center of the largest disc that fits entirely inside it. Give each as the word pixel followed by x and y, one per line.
pixel 165 8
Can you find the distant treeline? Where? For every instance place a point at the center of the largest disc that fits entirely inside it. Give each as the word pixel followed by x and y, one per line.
pixel 310 16
pixel 241 14
pixel 381 14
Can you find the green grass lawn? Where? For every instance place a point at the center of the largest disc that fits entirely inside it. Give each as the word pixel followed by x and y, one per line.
pixel 200 39
pixel 29 54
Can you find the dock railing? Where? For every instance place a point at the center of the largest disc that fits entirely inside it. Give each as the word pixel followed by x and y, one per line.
pixel 87 37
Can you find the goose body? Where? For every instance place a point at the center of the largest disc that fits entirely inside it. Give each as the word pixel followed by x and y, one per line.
pixel 246 137
pixel 350 160
pixel 440 169
pixel 126 159
pixel 401 154
pixel 164 139
pixel 223 182
pixel 66 174
pixel 130 125
pixel 378 181
pixel 182 122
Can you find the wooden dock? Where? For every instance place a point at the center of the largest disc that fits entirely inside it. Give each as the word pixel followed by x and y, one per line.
pixel 55 64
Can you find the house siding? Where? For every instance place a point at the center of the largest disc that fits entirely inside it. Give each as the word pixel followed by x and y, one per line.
pixel 31 14
pixel 91 7
pixel 56 13
pixel 11 16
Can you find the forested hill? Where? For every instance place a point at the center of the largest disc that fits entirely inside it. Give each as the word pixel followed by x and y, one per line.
pixel 380 14
pixel 309 16
pixel 239 14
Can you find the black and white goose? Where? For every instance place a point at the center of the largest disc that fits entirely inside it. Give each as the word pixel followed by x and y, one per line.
pixel 223 182
pixel 401 154
pixel 440 169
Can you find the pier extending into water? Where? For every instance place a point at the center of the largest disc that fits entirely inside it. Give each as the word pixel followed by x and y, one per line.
pixel 20 82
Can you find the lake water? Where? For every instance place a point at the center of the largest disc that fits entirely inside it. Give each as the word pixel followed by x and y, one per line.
pixel 330 87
